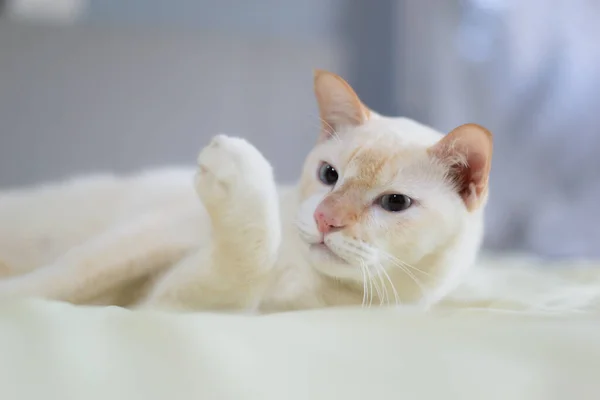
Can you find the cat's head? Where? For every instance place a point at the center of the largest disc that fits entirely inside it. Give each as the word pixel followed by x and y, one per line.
pixel 388 200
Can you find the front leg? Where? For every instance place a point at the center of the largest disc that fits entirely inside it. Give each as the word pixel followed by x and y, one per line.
pixel 236 185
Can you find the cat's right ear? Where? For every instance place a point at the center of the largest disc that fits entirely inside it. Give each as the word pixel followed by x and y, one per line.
pixel 339 105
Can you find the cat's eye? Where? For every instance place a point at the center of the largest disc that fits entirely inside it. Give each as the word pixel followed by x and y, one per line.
pixel 395 202
pixel 327 174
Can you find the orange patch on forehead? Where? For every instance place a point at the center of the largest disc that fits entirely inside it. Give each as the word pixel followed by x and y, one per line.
pixel 366 165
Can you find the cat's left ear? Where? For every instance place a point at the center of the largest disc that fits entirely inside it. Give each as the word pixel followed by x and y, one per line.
pixel 339 105
pixel 467 151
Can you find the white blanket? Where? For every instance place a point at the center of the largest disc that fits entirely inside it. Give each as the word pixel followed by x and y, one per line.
pixel 517 329
pixel 57 351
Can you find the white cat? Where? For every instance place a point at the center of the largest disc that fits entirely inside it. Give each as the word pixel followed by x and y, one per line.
pixel 387 211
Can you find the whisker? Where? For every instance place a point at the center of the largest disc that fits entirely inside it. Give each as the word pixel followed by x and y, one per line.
pixel 364 273
pixel 331 131
pixel 361 252
pixel 415 279
pixel 383 286
pixel 379 291
pixel 414 268
pixel 398 263
pixel 326 126
pixel 370 286
pixel 396 296
pixel 407 265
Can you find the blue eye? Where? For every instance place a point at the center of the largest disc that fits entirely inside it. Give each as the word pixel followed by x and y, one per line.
pixel 395 202
pixel 327 174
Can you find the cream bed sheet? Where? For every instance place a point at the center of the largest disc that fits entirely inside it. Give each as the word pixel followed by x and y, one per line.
pixel 57 351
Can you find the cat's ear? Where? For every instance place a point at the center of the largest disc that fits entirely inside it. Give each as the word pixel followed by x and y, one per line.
pixel 467 151
pixel 339 105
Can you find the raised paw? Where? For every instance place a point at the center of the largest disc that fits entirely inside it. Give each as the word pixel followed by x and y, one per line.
pixel 231 169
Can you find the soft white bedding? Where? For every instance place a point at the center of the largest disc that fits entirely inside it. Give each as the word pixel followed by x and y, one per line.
pixel 57 351
pixel 518 328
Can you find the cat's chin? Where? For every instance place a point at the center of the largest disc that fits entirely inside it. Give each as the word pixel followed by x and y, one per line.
pixel 326 262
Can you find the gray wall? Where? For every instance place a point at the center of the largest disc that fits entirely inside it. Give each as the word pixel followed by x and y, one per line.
pixel 119 97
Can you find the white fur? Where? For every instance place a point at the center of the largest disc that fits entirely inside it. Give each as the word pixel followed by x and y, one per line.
pixel 251 249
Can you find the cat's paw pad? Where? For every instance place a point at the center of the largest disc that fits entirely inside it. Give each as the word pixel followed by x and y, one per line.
pixel 228 166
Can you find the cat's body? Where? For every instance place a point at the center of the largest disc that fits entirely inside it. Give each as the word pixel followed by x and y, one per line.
pixel 387 211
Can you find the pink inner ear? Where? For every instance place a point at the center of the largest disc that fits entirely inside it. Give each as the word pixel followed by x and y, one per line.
pixel 338 104
pixel 476 171
pixel 471 179
pixel 469 150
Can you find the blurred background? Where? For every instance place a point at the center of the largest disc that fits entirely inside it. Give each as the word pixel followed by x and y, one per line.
pixel 114 85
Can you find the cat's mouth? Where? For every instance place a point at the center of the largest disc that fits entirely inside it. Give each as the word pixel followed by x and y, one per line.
pixel 325 251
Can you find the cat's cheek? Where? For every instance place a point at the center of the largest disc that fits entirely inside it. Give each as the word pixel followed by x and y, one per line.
pixel 421 236
pixel 397 234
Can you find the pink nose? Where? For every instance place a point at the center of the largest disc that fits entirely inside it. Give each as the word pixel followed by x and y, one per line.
pixel 327 220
